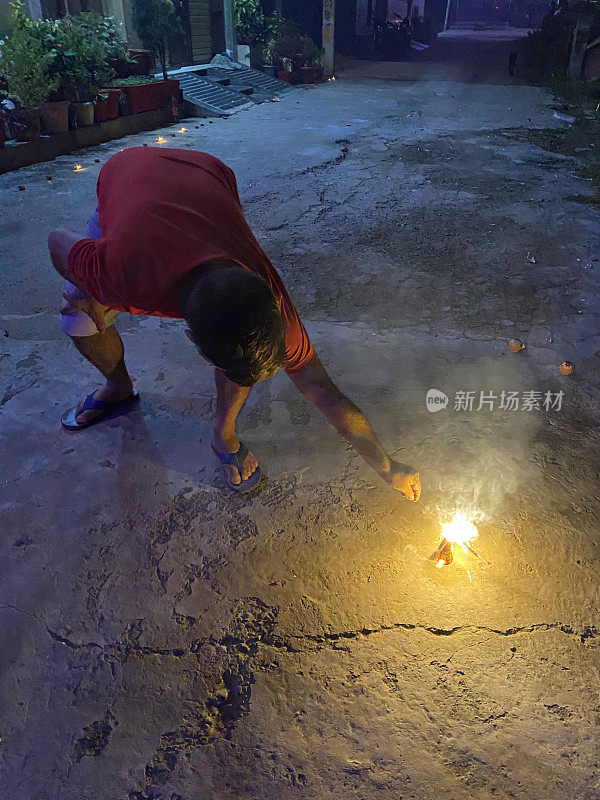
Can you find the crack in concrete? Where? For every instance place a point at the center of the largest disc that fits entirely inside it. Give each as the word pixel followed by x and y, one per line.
pixel 344 150
pixel 589 632
pixel 284 642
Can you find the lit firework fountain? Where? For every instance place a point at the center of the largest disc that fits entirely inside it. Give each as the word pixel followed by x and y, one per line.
pixel 459 532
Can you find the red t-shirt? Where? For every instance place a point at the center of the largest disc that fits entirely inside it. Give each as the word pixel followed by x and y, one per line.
pixel 162 214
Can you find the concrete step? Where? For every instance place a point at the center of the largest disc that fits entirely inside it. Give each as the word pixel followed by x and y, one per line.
pixel 221 91
pixel 246 76
pixel 210 96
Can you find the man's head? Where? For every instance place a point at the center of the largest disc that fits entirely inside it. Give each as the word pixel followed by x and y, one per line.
pixel 235 322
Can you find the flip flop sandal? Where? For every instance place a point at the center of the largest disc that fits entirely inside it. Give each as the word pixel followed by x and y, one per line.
pixel 236 460
pixel 108 409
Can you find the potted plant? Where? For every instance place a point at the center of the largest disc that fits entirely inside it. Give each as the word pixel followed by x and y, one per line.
pixel 25 64
pixel 312 71
pixel 273 26
pixel 54 115
pixel 288 52
pixel 269 58
pixel 157 24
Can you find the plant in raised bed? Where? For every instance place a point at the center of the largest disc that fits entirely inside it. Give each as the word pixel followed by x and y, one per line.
pixel 146 94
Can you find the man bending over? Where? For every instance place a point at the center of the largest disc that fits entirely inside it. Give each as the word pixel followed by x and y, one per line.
pixel 169 238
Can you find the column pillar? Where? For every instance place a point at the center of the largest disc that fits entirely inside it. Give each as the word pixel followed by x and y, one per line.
pixel 230 42
pixel 114 8
pixel 328 36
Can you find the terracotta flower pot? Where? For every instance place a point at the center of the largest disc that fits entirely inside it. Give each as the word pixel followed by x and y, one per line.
pixel 311 74
pixel 144 60
pixel 170 90
pixel 72 116
pixel 54 117
pixel 144 96
pixel 123 69
pixel 289 77
pixel 85 114
pixel 26 124
pixel 107 107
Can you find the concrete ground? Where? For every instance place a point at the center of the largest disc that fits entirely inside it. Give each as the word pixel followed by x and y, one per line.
pixel 162 638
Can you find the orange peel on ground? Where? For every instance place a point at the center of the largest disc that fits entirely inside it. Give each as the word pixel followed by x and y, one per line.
pixel 515 345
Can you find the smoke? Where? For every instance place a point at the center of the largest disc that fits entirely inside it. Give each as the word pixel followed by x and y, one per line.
pixel 475 461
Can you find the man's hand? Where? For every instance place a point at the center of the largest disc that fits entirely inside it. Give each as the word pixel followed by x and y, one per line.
pixel 80 300
pixel 409 484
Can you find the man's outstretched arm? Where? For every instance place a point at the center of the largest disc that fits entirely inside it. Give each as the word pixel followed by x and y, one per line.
pixel 349 421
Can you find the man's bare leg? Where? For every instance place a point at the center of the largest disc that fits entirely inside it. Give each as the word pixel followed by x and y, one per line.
pixel 105 352
pixel 230 399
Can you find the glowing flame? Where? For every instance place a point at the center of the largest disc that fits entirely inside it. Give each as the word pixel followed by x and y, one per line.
pixel 161 139
pixel 440 563
pixel 459 531
pixel 77 167
pixel 182 130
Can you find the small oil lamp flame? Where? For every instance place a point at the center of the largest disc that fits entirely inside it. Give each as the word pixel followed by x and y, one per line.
pixel 77 167
pixel 182 130
pixel 161 139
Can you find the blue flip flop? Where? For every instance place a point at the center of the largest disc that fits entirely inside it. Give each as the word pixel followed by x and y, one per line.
pixel 236 460
pixel 108 409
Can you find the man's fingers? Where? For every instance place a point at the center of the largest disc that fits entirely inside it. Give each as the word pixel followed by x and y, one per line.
pixel 411 487
pixel 416 486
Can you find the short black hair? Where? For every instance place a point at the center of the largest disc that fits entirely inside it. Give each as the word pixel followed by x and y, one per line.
pixel 235 320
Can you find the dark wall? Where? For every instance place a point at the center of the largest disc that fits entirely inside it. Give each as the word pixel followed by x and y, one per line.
pixel 309 16
pixel 345 26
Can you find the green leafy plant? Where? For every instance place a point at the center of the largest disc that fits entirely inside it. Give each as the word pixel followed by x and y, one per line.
pixel 251 22
pixel 274 24
pixel 25 61
pixel 249 19
pixel 268 52
pixel 157 24
pixel 133 80
pixel 319 57
pixel 313 55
